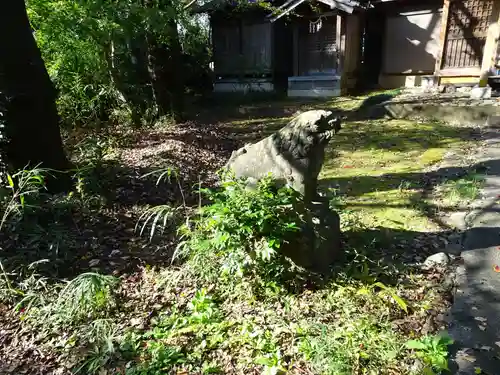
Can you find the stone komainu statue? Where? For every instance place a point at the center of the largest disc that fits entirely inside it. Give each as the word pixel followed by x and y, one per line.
pixel 294 155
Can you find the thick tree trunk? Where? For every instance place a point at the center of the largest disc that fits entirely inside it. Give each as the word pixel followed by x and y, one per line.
pixel 29 109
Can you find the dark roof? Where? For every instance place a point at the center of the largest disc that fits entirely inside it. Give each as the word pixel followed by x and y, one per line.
pixel 214 5
pixel 347 6
pixel 283 7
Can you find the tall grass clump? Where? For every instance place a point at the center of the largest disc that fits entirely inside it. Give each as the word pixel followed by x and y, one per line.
pixel 87 295
pixel 18 195
pixel 19 191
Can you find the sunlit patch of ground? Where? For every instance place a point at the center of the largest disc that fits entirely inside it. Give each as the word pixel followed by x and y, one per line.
pixel 381 168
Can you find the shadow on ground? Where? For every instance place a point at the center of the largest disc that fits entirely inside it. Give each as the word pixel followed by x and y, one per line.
pixel 476 308
pixel 354 108
pixel 97 228
pixel 360 185
pixel 76 237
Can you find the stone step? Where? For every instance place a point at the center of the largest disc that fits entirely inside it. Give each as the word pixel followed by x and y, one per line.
pixel 462 111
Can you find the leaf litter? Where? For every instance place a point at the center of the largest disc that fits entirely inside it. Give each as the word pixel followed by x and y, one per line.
pixel 106 240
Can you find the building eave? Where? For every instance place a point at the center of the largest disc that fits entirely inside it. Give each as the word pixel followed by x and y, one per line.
pixel 347 6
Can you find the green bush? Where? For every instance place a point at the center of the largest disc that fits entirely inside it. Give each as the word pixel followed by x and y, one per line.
pixel 97 55
pixel 20 192
pixel 241 231
pixel 433 351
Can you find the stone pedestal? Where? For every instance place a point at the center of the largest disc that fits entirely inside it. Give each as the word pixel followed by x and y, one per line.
pixel 244 86
pixel 314 86
pixel 318 244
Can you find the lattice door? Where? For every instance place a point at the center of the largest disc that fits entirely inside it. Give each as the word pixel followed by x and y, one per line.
pixel 318 50
pixel 467 28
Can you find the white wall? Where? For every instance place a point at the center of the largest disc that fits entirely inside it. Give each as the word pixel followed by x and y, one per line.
pixel 411 42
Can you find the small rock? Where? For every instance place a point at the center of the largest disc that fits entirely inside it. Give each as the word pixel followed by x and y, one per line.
pixel 449 281
pixel 480 92
pixel 487 102
pixel 457 220
pixel 464 89
pixel 136 322
pixel 417 366
pixel 439 259
pixel 94 262
pixel 449 89
pixel 469 358
pixel 428 327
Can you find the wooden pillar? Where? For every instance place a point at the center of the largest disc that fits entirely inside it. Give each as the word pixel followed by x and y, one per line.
pixel 351 44
pixel 491 45
pixel 295 49
pixel 340 45
pixel 442 38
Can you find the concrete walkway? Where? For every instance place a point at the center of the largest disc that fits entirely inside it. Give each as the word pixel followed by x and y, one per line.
pixel 475 315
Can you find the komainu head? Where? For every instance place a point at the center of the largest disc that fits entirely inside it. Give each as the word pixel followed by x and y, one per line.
pixel 315 127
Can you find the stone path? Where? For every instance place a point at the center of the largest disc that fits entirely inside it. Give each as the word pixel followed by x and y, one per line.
pixel 475 315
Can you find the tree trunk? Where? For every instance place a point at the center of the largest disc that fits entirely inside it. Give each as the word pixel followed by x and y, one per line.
pixel 116 80
pixel 28 99
pixel 165 68
pixel 175 76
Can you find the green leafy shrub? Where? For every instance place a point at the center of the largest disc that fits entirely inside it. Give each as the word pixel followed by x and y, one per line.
pixel 74 58
pixel 159 357
pixel 95 53
pixel 461 191
pixel 241 231
pixel 19 196
pixel 81 306
pixel 433 350
pixel 162 215
pixel 92 155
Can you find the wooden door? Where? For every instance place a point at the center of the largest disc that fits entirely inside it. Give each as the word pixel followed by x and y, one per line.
pixel 466 32
pixel 317 46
